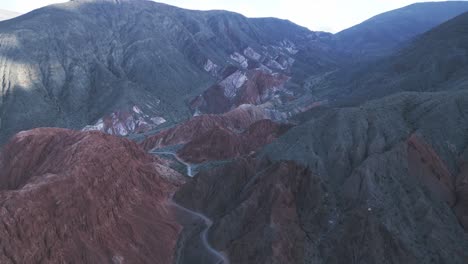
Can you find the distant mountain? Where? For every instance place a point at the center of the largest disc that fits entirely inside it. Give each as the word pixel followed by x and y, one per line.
pixel 5 14
pixel 435 61
pixel 383 33
pixel 128 66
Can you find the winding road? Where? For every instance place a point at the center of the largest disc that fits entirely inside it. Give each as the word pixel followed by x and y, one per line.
pixel 187 165
pixel 219 258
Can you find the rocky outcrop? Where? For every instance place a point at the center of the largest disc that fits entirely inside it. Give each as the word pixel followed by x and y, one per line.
pixel 69 196
pixel 257 79
pixel 204 138
pixel 124 123
pixel 220 143
pixel 235 121
pixel 261 86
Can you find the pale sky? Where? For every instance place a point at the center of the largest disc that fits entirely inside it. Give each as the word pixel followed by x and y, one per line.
pixel 324 15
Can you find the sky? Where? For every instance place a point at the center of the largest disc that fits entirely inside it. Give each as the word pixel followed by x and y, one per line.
pixel 318 15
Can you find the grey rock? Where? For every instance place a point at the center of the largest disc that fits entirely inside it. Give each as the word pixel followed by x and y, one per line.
pixel 359 200
pixel 70 64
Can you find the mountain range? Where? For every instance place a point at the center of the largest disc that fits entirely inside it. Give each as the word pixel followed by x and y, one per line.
pixel 153 56
pixel 193 62
pixel 434 61
pixel 210 137
pixel 382 34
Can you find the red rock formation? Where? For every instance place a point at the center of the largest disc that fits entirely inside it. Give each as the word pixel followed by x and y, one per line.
pixel 236 120
pixel 260 83
pixel 237 87
pixel 461 207
pixel 220 143
pixel 83 197
pixel 255 208
pixel 430 170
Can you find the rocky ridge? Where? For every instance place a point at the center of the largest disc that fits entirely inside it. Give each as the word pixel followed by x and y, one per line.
pixel 68 196
pixel 236 121
pixel 385 33
pixel 393 192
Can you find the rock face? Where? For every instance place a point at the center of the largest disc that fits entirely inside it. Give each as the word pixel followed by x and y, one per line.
pixel 68 197
pixel 220 143
pixel 257 79
pixel 372 192
pixel 408 181
pixel 237 120
pixel 73 66
pixel 124 123
pixel 205 138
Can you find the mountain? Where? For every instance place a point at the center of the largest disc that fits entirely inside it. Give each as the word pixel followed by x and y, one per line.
pixel 208 138
pixel 435 61
pixel 249 140
pixel 146 65
pixel 5 14
pixel 128 66
pixel 382 34
pixel 69 196
pixel 384 182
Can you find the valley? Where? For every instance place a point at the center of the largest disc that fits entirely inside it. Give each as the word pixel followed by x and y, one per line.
pixel 138 132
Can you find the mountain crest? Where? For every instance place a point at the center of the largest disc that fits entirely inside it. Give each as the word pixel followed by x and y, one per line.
pixel 105 1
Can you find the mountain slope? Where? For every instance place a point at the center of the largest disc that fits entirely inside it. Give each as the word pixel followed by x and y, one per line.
pixel 87 197
pixel 71 64
pixel 435 61
pixel 379 183
pixel 383 33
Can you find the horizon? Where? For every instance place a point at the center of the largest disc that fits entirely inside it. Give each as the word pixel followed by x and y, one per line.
pixel 322 15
